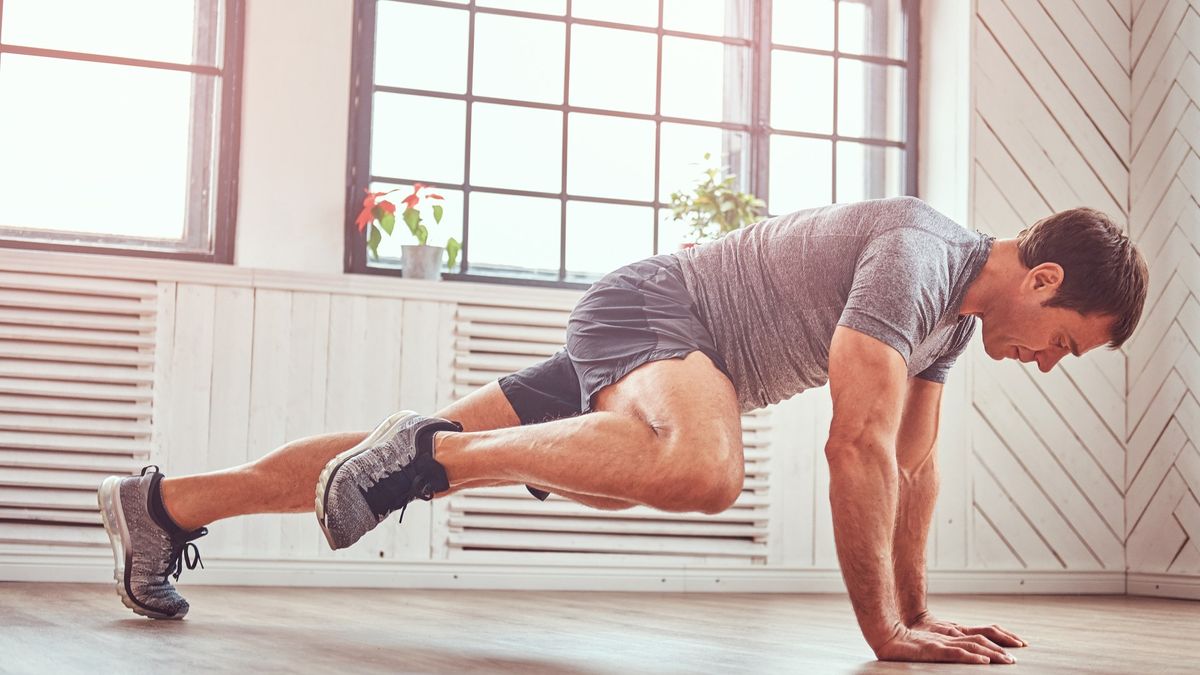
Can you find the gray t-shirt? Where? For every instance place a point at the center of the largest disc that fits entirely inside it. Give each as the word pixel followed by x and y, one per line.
pixel 772 293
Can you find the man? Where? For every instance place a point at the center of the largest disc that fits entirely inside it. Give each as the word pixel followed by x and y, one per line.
pixel 643 406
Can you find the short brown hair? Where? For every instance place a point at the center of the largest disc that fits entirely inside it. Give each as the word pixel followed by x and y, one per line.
pixel 1103 272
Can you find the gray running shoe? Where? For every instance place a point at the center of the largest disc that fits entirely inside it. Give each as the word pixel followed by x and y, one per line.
pixel 389 469
pixel 147 545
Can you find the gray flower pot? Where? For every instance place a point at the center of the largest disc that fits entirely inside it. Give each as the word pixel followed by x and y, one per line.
pixel 422 262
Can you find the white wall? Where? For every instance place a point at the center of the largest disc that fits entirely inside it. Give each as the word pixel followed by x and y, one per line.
pixel 1094 103
pixel 295 112
pixel 1162 468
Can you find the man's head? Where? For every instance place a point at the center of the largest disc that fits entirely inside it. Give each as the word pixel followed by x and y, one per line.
pixel 1082 285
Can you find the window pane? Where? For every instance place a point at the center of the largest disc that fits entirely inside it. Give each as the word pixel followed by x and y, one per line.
pixel 672 234
pixel 598 54
pixel 398 46
pixel 541 6
pixel 803 23
pixel 603 237
pixel 519 58
pixel 517 148
pixel 800 173
pixel 868 172
pixel 73 168
pixel 728 18
pixel 517 232
pixel 418 138
pixel 451 225
pixel 610 157
pixel 636 12
pixel 142 29
pixel 870 100
pixel 682 162
pixel 802 92
pixel 873 27
pixel 705 80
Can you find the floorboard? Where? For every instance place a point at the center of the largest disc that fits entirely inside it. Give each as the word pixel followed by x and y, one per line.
pixel 62 629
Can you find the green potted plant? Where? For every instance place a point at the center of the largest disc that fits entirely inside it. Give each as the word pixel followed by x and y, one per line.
pixel 419 261
pixel 713 207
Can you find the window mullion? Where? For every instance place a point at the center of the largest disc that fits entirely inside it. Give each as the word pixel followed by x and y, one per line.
pixel 562 222
pixel 760 141
pixel 465 253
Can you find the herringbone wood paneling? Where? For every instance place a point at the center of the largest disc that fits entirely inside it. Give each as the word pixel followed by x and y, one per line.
pixel 1052 115
pixel 1162 466
pixel 1097 103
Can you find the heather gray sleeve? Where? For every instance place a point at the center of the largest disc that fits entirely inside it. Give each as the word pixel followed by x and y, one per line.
pixel 939 369
pixel 901 282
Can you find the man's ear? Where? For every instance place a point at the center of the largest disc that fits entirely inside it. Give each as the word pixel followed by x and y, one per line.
pixel 1045 278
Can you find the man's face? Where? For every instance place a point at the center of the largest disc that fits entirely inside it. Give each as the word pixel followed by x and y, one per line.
pixel 1021 328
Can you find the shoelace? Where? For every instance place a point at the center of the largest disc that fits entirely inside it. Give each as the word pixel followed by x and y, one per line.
pixel 426 495
pixel 185 553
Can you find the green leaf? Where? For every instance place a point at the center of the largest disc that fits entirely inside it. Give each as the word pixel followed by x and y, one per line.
pixel 412 218
pixel 437 213
pixel 452 249
pixel 373 242
pixel 422 234
pixel 388 223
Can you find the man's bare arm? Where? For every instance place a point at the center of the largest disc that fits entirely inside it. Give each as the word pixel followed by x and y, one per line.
pixel 868 381
pixel 916 447
pixel 916 455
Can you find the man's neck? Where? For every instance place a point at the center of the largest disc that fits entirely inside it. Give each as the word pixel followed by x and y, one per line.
pixel 1003 266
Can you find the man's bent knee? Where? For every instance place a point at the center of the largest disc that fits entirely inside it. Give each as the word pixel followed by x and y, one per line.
pixel 707 473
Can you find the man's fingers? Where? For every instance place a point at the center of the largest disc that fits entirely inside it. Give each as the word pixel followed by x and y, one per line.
pixel 996 634
pixel 993 654
pixel 960 655
pixel 983 640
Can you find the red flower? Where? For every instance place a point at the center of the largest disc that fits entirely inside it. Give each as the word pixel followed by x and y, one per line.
pixel 368 210
pixel 411 201
pixel 434 195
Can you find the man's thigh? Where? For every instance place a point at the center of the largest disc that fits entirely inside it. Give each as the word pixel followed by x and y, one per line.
pixel 689 396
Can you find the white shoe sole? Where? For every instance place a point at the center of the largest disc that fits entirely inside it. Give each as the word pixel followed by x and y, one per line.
pixel 112 514
pixel 385 428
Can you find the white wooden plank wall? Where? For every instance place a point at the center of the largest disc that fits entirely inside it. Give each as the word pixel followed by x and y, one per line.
pixel 251 369
pixel 1052 116
pixel 1162 467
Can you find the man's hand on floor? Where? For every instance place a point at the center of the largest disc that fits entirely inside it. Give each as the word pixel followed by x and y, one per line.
pixel 922 645
pixel 997 635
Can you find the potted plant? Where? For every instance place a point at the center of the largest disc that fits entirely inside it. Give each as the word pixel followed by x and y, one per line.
pixel 713 207
pixel 420 261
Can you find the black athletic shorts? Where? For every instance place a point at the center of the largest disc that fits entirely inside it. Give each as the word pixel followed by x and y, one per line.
pixel 640 313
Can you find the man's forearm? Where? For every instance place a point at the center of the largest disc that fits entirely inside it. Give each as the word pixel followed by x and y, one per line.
pixel 918 495
pixel 862 494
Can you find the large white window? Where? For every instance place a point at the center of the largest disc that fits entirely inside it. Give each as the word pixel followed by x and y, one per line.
pixel 118 125
pixel 556 130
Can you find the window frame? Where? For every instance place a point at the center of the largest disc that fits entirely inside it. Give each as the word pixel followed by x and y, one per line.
pixel 757 128
pixel 227 142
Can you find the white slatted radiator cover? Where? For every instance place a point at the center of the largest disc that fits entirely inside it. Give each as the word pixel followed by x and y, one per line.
pixel 76 383
pixel 486 523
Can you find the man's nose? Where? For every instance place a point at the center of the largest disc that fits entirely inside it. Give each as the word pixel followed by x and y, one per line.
pixel 1047 359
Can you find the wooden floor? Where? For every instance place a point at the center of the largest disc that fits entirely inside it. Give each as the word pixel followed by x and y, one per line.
pixel 54 628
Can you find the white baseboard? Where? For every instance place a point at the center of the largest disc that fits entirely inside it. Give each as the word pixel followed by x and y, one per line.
pixel 1185 586
pixel 90 568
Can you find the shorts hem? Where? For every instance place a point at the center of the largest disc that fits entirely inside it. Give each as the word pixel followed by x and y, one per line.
pixel 614 375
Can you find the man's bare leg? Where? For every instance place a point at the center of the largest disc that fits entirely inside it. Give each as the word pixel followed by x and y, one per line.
pixel 282 481
pixel 667 435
